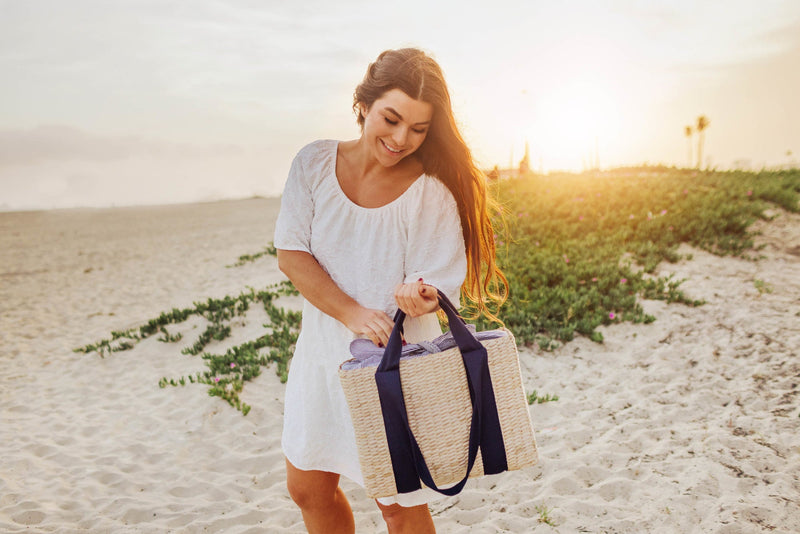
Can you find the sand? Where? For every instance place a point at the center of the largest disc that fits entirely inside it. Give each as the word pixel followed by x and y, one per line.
pixel 688 424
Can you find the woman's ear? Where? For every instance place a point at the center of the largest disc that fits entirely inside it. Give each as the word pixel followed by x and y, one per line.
pixel 362 110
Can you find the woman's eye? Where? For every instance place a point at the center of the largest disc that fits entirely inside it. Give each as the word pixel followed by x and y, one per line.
pixel 390 121
pixel 420 131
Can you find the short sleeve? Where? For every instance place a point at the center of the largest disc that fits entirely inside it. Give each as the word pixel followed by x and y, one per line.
pixel 293 227
pixel 435 249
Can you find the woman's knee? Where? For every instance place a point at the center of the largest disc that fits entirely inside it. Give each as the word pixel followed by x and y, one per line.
pixel 302 494
pixel 309 489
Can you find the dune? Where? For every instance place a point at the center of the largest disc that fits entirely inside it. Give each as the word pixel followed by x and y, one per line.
pixel 688 424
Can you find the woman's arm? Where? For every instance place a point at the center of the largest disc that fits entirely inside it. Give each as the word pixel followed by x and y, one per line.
pixel 319 289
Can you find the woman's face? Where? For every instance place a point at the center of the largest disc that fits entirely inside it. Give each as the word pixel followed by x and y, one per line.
pixel 395 126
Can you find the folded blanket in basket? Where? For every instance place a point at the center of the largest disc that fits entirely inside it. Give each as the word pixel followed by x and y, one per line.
pixel 368 354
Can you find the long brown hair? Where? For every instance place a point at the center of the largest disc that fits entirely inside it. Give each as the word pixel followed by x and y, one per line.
pixel 445 155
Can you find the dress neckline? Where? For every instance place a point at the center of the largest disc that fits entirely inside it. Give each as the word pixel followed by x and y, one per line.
pixel 350 201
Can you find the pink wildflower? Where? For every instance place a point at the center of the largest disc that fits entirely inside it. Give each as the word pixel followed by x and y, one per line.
pixel 671 228
pixel 537 243
pixel 594 279
pixel 749 193
pixel 623 280
pixel 685 191
pixel 663 212
pixel 566 259
pixel 631 216
pixel 216 379
pixel 611 315
pixel 580 218
pixel 233 365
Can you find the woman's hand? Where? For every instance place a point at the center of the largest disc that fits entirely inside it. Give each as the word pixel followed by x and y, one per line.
pixel 375 325
pixel 416 299
pixel 317 286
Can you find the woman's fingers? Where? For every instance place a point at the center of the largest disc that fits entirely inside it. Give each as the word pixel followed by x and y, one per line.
pixel 404 298
pixel 383 328
pixel 429 293
pixel 374 338
pixel 372 333
pixel 400 299
pixel 375 325
pixel 416 298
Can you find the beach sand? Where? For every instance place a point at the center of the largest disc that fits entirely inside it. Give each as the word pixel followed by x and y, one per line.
pixel 688 424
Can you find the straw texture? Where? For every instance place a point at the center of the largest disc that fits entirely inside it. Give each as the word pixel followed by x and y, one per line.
pixel 439 410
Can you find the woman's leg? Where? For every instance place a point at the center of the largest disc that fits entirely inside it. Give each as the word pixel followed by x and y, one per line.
pixel 324 505
pixel 407 520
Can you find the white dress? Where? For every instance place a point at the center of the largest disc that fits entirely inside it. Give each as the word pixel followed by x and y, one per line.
pixel 367 252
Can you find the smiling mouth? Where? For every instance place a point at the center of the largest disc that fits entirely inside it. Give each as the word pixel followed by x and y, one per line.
pixel 390 149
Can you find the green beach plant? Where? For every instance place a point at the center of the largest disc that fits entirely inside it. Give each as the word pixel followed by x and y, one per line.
pixel 544 515
pixel 762 286
pixel 226 372
pixel 580 250
pixel 245 258
pixel 535 398
pixel 169 338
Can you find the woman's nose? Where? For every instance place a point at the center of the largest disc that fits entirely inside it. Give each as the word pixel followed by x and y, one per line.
pixel 399 136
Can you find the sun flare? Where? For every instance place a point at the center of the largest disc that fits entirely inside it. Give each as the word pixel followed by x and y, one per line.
pixel 569 126
pixel 571 107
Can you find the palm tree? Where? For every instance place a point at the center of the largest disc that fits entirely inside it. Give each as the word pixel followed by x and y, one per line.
pixel 688 132
pixel 702 124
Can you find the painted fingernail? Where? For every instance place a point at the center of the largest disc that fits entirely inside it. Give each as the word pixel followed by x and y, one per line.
pixel 380 345
pixel 404 343
pixel 420 280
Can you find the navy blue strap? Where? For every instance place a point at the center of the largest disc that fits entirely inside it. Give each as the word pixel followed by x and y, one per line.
pixel 408 463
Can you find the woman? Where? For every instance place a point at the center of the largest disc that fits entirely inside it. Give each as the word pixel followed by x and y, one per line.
pixel 367 226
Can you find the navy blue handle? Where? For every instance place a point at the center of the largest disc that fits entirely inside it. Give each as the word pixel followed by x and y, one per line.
pixel 408 464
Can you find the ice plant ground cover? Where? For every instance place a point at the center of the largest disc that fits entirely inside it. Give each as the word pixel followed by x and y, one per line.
pixel 226 372
pixel 579 251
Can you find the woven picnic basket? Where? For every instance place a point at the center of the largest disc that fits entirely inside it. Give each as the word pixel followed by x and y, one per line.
pixel 441 416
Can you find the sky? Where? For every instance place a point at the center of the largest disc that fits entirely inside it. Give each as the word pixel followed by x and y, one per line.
pixel 111 102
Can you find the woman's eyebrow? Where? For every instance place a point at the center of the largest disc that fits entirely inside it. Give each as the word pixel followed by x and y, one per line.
pixel 392 110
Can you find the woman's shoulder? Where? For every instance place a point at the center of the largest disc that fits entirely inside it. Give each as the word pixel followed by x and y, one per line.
pixel 434 191
pixel 315 161
pixel 316 150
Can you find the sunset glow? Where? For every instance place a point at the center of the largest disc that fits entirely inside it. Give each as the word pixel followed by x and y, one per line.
pixel 127 103
pixel 570 123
